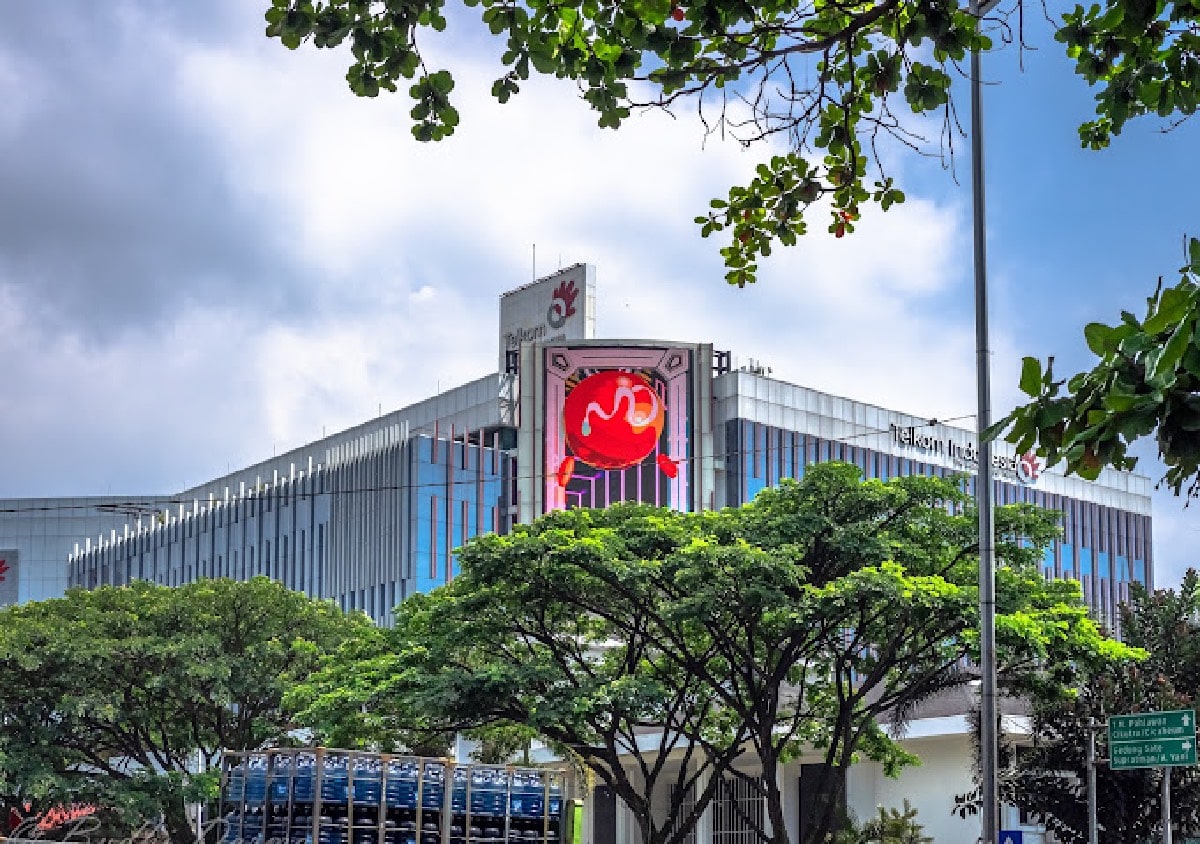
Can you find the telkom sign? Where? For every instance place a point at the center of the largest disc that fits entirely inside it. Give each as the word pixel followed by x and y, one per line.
pixel 558 307
pixel 1024 468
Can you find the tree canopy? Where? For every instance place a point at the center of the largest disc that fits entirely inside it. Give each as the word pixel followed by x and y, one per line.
pixel 1146 381
pixel 830 79
pixel 119 696
pixel 1049 778
pixel 657 646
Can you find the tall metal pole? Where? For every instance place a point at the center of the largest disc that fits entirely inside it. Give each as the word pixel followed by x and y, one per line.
pixel 1093 832
pixel 989 711
pixel 1166 805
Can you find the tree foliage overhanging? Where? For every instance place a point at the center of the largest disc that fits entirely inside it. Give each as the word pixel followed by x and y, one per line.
pixel 1146 381
pixel 111 696
pixel 827 80
pixel 801 625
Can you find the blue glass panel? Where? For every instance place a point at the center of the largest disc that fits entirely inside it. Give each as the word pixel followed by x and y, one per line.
pixel 1102 566
pixel 1068 558
pixel 1048 559
pixel 1139 571
pixel 1085 561
pixel 754 486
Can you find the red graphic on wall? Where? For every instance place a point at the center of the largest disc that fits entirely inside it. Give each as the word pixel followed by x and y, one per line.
pixel 562 304
pixel 3 569
pixel 612 420
pixel 1028 468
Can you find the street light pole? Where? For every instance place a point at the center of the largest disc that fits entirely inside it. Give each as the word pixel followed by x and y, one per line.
pixel 989 711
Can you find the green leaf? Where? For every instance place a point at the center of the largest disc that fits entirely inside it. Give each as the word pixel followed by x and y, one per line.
pixel 1099 338
pixel 1031 376
pixel 1172 306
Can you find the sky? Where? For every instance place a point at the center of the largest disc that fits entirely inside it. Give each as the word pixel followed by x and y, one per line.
pixel 212 251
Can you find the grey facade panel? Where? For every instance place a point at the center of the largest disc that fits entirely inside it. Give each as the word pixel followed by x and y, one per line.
pixel 342 532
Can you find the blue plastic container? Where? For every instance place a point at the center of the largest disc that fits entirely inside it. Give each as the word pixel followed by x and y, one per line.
pixel 433 786
pixel 279 780
pixel 335 781
pixel 256 781
pixel 527 796
pixel 367 782
pixel 401 789
pixel 489 792
pixel 304 778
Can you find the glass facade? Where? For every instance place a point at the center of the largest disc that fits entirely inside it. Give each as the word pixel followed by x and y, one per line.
pixel 366 532
pixel 380 515
pixel 41 533
pixel 758 455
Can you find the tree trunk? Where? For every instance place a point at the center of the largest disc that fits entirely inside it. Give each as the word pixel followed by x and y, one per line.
pixel 177 822
pixel 774 802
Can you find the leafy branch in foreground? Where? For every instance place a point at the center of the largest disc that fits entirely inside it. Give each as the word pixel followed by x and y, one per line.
pixel 827 80
pixel 1147 380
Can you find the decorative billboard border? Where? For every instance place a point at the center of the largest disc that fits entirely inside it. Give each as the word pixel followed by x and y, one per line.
pixel 669 366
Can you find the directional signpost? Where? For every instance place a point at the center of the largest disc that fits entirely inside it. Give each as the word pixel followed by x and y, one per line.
pixel 1154 740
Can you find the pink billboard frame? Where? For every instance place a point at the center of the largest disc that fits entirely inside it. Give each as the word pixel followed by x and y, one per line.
pixel 673 366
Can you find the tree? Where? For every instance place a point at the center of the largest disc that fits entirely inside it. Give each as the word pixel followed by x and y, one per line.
pixel 889 826
pixel 833 80
pixel 1049 778
pixel 1146 380
pixel 120 695
pixel 806 622
pixel 490 651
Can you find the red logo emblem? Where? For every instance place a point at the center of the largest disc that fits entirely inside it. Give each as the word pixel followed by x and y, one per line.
pixel 1028 468
pixel 562 304
pixel 3 569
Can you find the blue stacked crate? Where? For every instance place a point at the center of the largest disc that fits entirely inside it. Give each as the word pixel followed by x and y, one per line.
pixel 342 797
pixel 333 821
pixel 432 799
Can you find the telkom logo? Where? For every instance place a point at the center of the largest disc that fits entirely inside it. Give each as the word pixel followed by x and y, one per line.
pixel 562 304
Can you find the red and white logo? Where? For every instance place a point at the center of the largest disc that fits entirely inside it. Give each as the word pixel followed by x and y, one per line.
pixel 562 304
pixel 1028 468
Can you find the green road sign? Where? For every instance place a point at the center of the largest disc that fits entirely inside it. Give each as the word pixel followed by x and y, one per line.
pixel 1152 739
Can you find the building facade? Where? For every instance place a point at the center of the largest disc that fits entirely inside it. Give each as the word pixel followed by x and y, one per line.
pixel 370 515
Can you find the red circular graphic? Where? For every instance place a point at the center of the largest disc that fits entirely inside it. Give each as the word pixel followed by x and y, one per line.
pixel 613 419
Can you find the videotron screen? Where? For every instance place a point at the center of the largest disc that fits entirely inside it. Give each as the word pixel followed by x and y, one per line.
pixel 617 426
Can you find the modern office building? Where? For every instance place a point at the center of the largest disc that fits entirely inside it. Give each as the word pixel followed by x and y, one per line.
pixel 37 535
pixel 372 514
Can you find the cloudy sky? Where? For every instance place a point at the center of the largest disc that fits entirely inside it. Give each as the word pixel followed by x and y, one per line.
pixel 210 250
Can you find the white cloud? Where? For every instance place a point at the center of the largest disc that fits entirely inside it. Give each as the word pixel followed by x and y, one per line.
pixel 409 245
pixel 355 194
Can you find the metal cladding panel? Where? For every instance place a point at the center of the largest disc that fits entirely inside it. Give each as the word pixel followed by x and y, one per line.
pixel 557 307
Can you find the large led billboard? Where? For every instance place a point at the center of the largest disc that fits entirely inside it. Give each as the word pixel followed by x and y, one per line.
pixel 617 425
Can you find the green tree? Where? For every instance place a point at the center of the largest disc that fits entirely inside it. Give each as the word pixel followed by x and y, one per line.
pixel 491 653
pixel 806 621
pixel 120 695
pixel 889 826
pixel 1049 778
pixel 833 80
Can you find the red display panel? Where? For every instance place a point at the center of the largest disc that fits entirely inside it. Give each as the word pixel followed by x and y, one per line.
pixel 617 426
